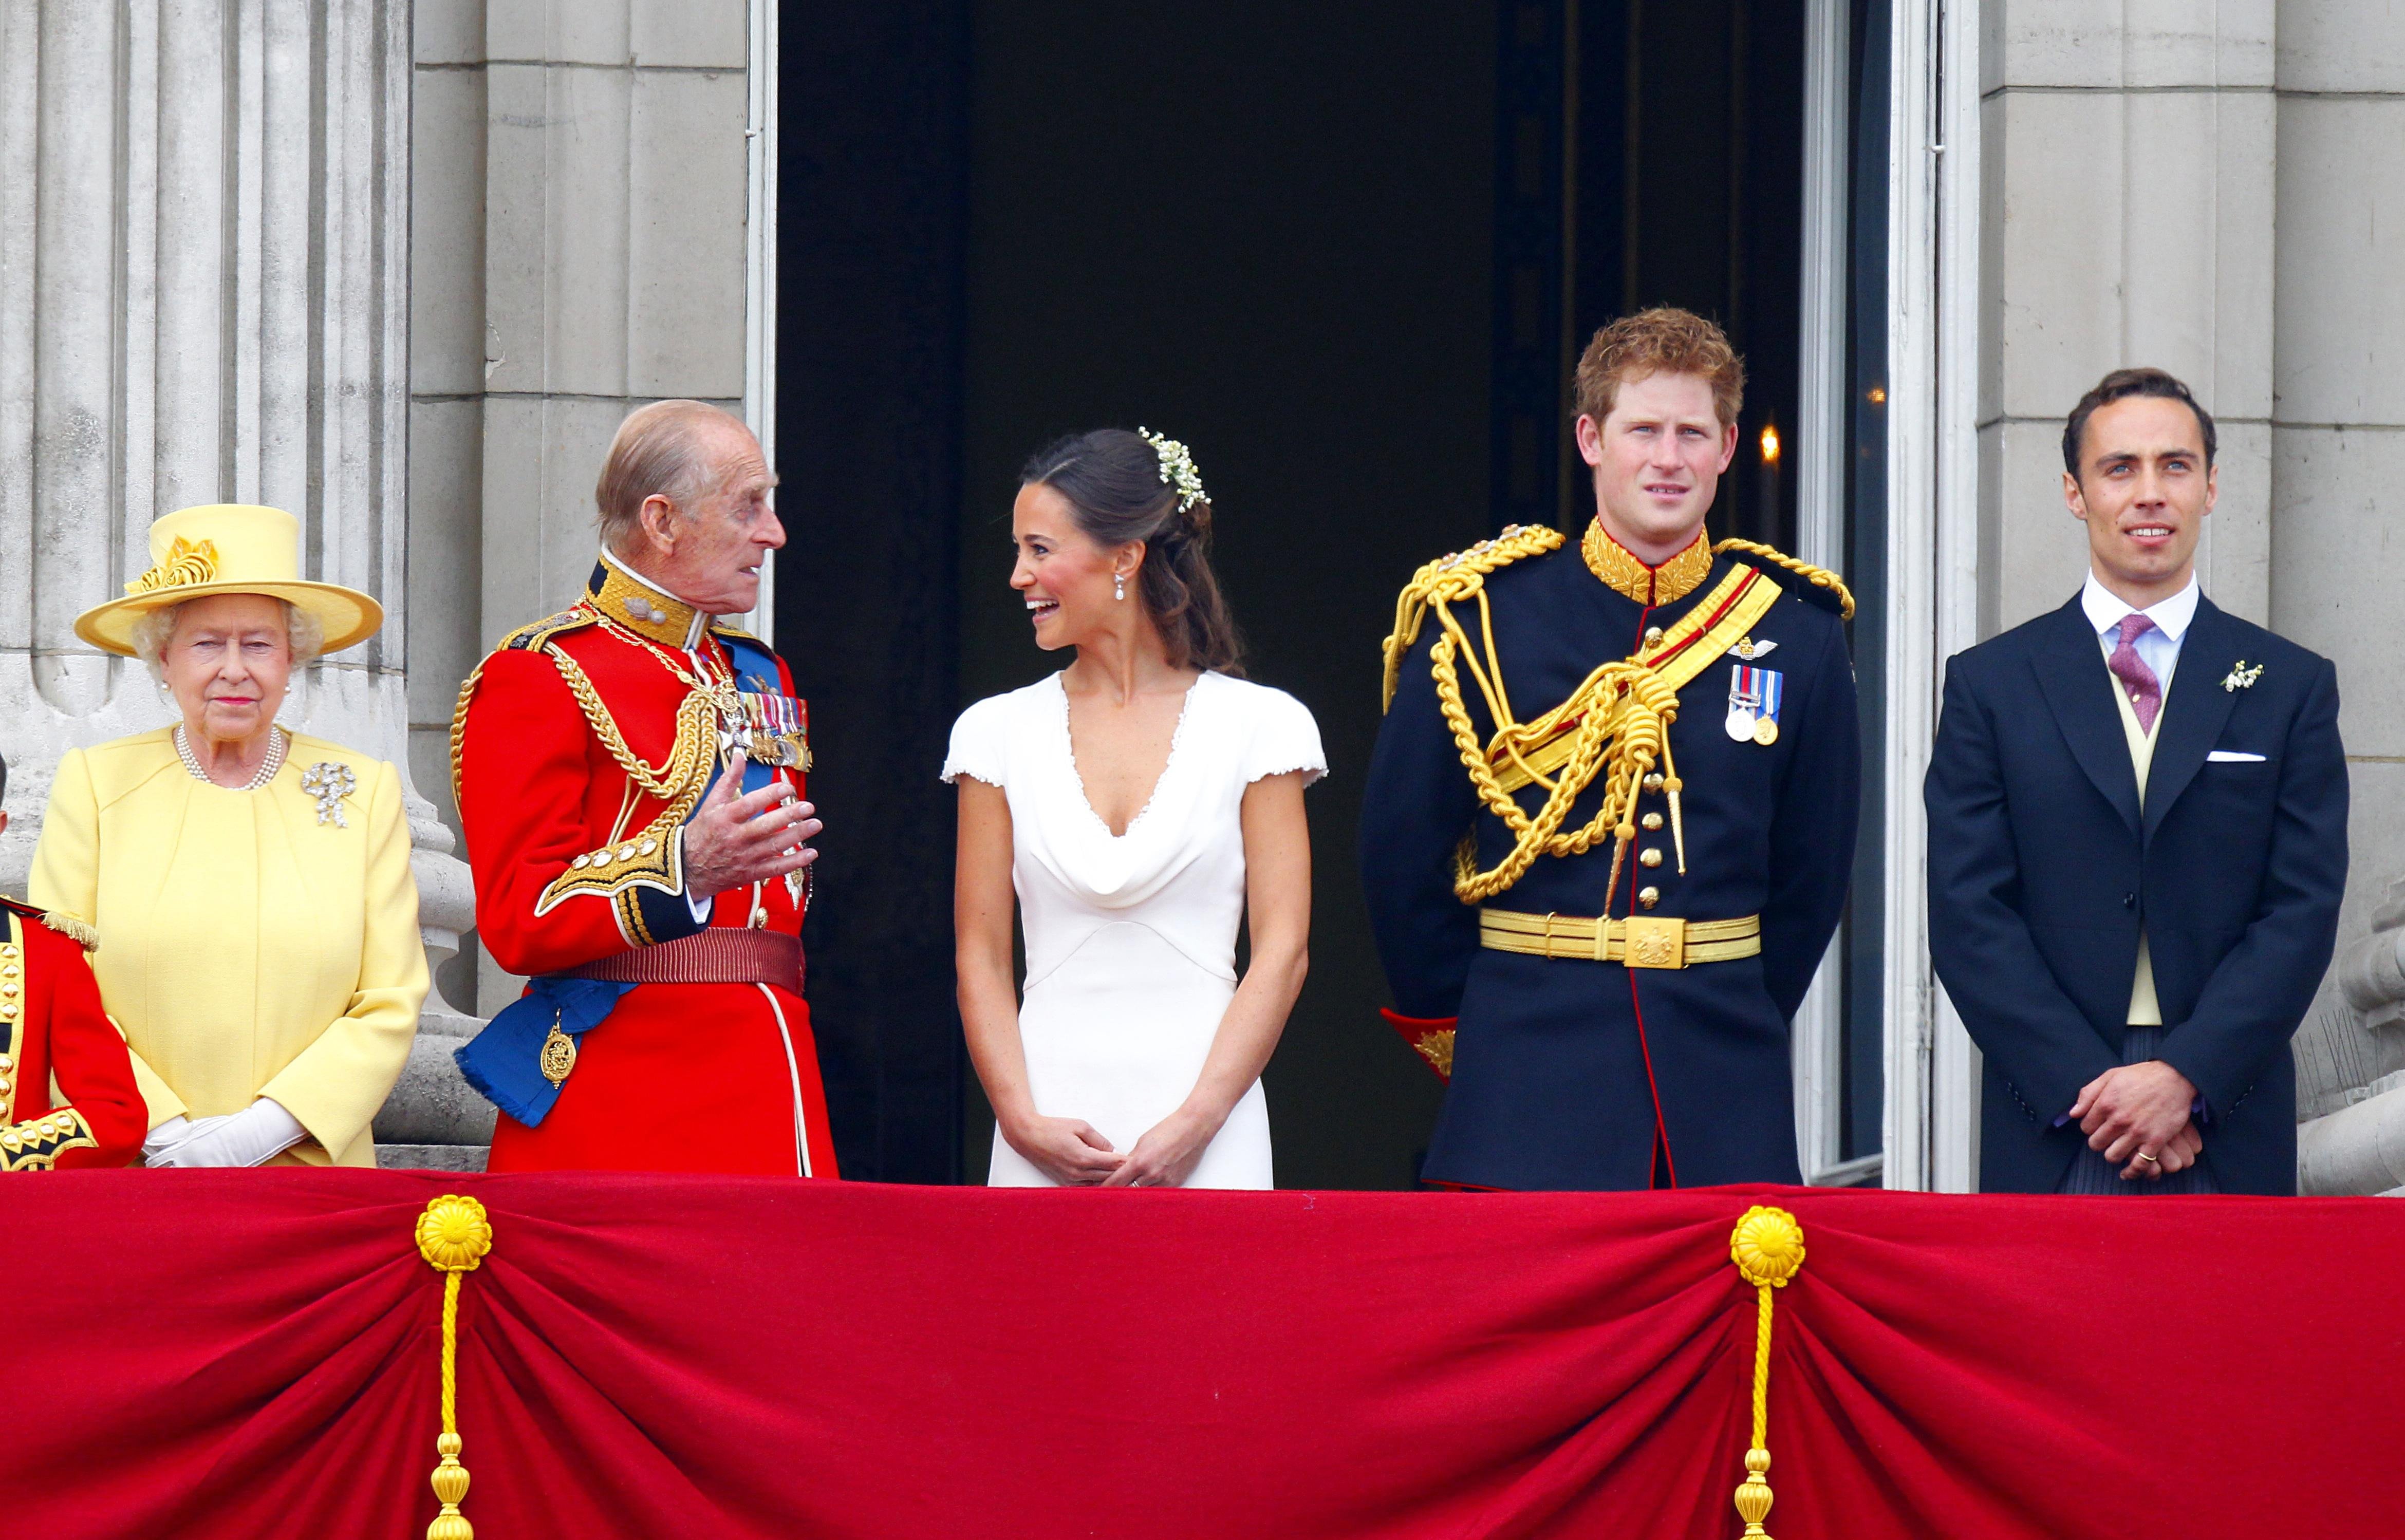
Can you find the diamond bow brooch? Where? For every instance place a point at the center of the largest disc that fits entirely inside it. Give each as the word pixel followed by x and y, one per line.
pixel 330 783
pixel 2240 676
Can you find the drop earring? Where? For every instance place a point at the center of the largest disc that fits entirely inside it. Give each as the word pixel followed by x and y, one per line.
pixel 1118 585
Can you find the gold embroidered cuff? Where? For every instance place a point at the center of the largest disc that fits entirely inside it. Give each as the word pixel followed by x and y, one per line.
pixel 652 859
pixel 36 1145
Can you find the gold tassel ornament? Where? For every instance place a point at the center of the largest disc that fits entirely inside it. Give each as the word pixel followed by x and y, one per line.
pixel 1767 1247
pixel 454 1235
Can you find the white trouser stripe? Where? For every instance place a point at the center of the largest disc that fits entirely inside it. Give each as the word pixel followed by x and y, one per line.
pixel 801 1127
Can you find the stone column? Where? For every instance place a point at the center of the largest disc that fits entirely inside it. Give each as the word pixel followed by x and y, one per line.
pixel 2338 439
pixel 202 249
pixel 2126 156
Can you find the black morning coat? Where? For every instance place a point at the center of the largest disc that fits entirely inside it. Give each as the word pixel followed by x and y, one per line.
pixel 1554 1084
pixel 2043 872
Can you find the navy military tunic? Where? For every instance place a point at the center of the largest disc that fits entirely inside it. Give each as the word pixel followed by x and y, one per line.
pixel 1568 1073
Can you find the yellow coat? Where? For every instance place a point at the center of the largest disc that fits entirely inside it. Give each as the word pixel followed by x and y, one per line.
pixel 245 948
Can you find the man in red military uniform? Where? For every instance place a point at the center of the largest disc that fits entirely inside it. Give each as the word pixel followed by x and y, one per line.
pixel 67 1096
pixel 629 774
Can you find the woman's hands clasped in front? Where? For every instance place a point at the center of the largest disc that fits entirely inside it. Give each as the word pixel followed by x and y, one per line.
pixel 1074 1153
pixel 1169 1151
pixel 1071 1151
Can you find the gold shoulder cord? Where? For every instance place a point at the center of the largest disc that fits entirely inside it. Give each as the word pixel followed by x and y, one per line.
pixel 1819 576
pixel 1617 721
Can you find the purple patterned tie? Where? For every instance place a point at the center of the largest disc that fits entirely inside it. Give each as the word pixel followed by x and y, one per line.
pixel 2145 691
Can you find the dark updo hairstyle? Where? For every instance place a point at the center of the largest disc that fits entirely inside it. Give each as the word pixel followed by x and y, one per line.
pixel 1112 481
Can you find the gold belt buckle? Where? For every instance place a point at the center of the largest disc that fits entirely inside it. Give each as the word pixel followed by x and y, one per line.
pixel 1651 943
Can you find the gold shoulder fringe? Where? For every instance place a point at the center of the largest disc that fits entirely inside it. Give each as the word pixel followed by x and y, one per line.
pixel 1451 579
pixel 80 932
pixel 1819 576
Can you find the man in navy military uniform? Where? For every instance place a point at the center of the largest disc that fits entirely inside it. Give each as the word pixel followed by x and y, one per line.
pixel 2137 842
pixel 1610 821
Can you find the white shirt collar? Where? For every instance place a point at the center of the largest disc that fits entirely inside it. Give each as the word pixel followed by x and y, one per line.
pixel 2172 616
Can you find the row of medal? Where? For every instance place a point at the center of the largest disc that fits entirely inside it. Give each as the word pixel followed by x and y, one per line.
pixel 1753 703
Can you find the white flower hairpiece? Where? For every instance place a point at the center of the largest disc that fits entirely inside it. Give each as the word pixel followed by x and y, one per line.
pixel 1176 468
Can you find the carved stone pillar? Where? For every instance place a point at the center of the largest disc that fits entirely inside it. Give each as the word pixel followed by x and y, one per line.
pixel 203 274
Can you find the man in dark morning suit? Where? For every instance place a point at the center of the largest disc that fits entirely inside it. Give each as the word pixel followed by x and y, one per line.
pixel 1610 821
pixel 2137 842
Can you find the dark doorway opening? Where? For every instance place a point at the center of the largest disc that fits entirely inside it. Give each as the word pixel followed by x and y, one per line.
pixel 1313 243
pixel 1649 153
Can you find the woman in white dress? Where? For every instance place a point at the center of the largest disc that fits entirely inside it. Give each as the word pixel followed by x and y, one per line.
pixel 1142 801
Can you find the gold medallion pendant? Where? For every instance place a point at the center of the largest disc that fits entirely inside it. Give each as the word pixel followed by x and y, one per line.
pixel 559 1055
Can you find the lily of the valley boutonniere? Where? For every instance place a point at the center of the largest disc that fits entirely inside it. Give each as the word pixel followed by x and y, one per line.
pixel 2240 676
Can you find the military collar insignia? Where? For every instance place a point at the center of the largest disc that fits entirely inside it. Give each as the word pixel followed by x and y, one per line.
pixel 643 605
pixel 1630 578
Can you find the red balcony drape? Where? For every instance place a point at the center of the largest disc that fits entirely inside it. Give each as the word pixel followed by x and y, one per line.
pixel 255 1354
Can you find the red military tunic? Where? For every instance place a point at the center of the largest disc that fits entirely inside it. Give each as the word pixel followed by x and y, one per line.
pixel 67 1096
pixel 576 861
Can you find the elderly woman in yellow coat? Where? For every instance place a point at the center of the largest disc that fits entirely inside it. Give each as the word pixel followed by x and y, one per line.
pixel 251 889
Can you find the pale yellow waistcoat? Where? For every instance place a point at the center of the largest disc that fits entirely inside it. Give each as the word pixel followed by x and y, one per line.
pixel 2145 1009
pixel 246 948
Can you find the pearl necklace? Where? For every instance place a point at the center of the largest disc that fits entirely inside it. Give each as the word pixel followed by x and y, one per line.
pixel 276 742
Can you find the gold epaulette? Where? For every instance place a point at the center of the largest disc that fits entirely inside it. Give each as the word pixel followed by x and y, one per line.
pixel 722 628
pixel 533 637
pixel 1826 584
pixel 1453 578
pixel 80 932
pixel 74 927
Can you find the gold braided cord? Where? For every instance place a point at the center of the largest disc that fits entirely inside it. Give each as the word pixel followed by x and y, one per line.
pixel 454 1236
pixel 1762 1319
pixel 696 735
pixel 1767 1247
pixel 1819 576
pixel 1624 712
pixel 451 1355
pixel 459 725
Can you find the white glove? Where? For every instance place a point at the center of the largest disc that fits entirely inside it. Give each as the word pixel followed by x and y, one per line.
pixel 252 1137
pixel 176 1130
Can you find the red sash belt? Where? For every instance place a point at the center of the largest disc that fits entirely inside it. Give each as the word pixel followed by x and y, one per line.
pixel 723 954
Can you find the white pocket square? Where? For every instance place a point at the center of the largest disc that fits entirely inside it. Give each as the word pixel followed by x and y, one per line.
pixel 2232 756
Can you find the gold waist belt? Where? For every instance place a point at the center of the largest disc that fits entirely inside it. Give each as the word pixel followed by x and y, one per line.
pixel 1639 942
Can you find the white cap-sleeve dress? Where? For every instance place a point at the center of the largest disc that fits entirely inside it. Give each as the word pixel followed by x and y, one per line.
pixel 1132 939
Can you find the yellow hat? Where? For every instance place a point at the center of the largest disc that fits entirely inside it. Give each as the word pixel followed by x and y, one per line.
pixel 229 548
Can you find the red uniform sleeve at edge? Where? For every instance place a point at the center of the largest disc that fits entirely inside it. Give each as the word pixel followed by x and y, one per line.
pixel 523 781
pixel 95 1075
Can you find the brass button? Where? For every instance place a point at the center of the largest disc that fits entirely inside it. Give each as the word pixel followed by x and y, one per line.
pixel 1653 635
pixel 1653 781
pixel 1651 820
pixel 1648 897
pixel 1649 858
